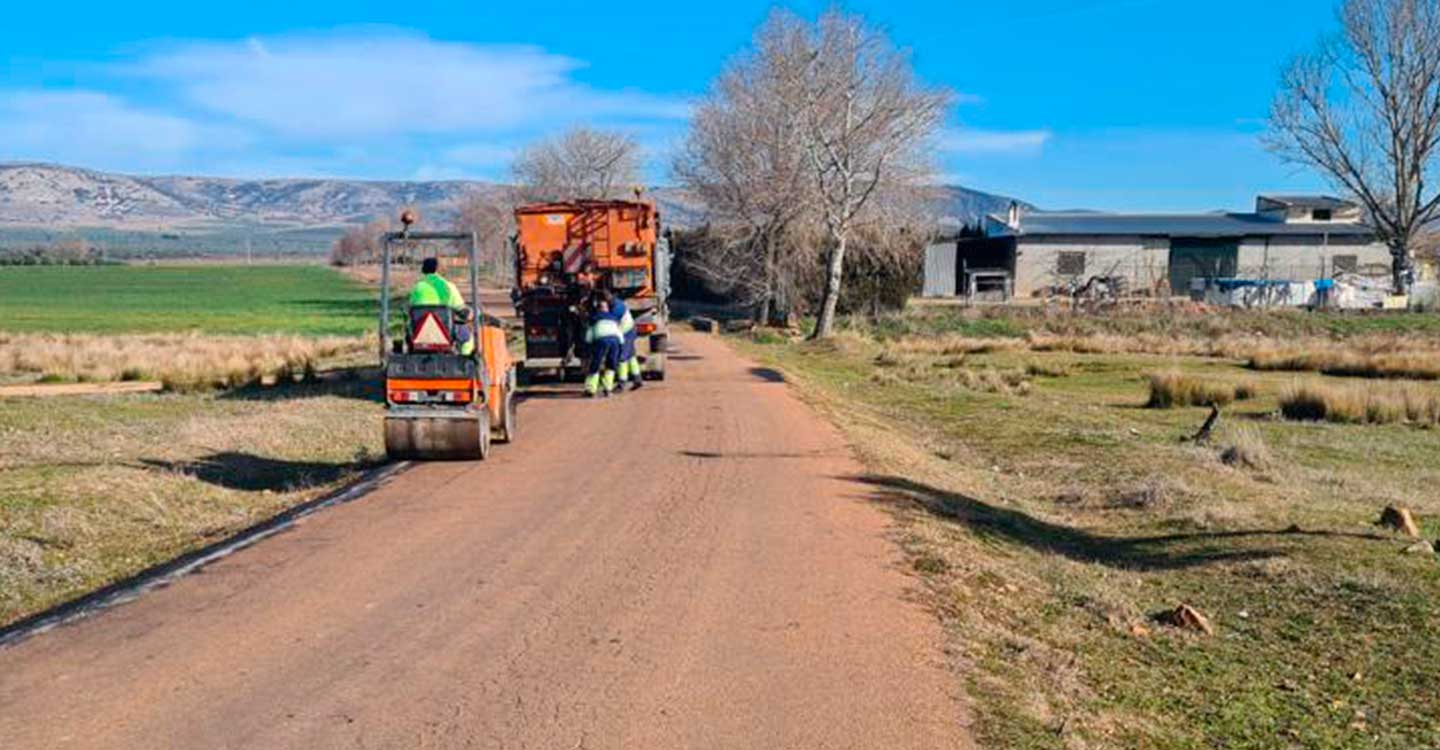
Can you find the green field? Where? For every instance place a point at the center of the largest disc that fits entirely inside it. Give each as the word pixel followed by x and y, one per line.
pixel 232 299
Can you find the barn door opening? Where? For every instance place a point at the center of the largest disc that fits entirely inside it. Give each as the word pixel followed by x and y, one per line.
pixel 1201 258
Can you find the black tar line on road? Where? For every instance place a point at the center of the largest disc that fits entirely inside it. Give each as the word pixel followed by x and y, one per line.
pixel 163 574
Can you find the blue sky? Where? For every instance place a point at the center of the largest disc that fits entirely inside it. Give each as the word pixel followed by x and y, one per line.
pixel 1109 104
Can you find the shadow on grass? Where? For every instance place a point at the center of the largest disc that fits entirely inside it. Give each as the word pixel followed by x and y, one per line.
pixel 251 473
pixel 767 374
pixel 355 307
pixel 360 383
pixel 1162 552
pixel 744 455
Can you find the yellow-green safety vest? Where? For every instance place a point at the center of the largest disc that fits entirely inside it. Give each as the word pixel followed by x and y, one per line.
pixel 434 290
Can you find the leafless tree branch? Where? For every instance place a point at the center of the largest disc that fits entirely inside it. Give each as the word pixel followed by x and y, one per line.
pixel 1364 111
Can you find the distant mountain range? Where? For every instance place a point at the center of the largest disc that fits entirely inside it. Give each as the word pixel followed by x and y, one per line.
pixel 53 199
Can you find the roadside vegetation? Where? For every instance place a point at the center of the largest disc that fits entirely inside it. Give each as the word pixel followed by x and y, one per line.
pixel 1061 529
pixel 269 404
pixel 94 489
pixel 180 362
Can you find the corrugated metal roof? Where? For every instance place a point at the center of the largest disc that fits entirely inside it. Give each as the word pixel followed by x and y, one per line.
pixel 1309 201
pixel 1182 225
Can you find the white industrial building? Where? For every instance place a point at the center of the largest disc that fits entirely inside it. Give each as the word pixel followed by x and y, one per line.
pixel 1298 239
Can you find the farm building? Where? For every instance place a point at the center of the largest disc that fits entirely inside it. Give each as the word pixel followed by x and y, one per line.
pixel 1287 238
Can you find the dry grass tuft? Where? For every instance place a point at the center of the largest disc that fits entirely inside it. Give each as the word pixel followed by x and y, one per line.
pixel 1361 405
pixel 956 345
pixel 1373 359
pixel 991 380
pixel 1171 389
pixel 1247 449
pixel 183 362
pixel 1043 369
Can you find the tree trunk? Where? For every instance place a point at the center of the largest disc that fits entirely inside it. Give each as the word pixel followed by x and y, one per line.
pixel 763 315
pixel 825 325
pixel 1400 268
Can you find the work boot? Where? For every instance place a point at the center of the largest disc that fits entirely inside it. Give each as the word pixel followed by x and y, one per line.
pixel 635 386
pixel 591 394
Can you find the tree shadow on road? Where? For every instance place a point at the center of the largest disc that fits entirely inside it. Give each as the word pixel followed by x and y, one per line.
pixel 1158 552
pixel 251 473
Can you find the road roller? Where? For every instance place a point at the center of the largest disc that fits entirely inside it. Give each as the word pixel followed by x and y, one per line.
pixel 449 380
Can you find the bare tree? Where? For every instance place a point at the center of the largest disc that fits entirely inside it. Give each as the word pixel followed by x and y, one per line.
pixel 582 163
pixel 867 121
pixel 1364 110
pixel 745 160
pixel 814 135
pixel 489 214
pixel 358 244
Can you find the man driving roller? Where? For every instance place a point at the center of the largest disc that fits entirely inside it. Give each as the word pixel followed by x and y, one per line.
pixel 434 290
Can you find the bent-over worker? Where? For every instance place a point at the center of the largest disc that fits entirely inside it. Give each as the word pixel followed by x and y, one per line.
pixel 603 336
pixel 629 363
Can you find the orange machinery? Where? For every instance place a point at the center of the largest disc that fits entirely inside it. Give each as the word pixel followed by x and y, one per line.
pixel 443 400
pixel 565 250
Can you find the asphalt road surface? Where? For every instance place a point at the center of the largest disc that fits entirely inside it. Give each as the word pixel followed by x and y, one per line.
pixel 688 566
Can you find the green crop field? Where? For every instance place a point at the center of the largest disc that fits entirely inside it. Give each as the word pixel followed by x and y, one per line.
pixel 230 299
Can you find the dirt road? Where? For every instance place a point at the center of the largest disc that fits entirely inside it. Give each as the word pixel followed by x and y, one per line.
pixel 684 567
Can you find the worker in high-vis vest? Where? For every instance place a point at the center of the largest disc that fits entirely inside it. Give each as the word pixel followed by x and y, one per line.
pixel 603 336
pixel 629 370
pixel 434 290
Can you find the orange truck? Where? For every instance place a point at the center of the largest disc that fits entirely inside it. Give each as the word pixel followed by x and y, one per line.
pixel 564 251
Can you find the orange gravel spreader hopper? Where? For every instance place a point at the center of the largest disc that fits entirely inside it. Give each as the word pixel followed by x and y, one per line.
pixel 444 399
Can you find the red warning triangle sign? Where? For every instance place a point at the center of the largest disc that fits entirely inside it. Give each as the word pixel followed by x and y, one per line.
pixel 430 334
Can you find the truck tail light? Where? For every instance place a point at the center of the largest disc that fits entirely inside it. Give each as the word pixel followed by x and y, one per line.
pixel 431 397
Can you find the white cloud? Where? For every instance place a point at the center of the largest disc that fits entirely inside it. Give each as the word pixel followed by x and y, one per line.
pixel 973 141
pixel 376 82
pixel 98 129
pixel 372 102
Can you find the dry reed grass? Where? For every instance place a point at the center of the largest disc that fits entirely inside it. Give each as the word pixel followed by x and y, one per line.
pixel 1377 356
pixel 1173 388
pixel 951 345
pixel 1349 404
pixel 1352 361
pixel 182 362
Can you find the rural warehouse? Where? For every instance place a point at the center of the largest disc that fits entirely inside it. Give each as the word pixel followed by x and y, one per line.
pixel 1287 238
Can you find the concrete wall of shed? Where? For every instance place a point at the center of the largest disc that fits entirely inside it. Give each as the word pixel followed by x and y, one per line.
pixel 1142 261
pixel 1308 258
